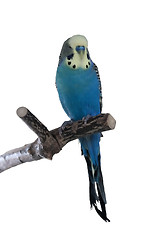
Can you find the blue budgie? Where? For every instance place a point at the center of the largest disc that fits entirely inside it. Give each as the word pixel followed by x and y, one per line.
pixel 79 88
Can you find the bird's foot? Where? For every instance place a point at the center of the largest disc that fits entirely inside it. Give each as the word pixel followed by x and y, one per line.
pixel 62 128
pixel 86 118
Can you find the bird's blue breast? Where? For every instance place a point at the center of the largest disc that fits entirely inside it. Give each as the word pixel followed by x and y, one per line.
pixel 78 91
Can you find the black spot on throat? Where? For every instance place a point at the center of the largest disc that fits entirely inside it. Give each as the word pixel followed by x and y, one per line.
pixel 74 66
pixel 86 66
pixel 69 63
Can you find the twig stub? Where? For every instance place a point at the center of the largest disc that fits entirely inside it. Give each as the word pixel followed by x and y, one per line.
pixel 48 143
pixel 22 112
pixel 32 122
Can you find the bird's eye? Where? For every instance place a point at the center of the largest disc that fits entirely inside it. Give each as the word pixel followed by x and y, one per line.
pixel 70 57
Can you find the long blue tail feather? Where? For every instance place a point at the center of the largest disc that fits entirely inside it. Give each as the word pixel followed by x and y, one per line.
pixel 96 183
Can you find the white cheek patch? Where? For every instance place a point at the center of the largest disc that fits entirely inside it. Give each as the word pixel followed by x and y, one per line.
pixel 78 61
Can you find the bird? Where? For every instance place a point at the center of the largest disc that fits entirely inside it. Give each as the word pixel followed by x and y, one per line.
pixel 79 89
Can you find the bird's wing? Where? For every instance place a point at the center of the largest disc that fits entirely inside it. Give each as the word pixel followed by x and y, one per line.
pixel 100 88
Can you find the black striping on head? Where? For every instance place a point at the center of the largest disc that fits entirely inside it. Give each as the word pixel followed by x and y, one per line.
pixel 66 51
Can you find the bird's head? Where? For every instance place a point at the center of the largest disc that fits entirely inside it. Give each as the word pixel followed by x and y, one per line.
pixel 75 53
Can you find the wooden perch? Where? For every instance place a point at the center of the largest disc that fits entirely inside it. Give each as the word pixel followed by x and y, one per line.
pixel 51 142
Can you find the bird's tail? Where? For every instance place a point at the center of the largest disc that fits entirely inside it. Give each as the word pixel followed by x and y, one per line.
pixel 96 187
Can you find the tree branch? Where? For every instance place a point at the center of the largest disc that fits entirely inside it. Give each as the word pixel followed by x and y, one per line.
pixel 51 142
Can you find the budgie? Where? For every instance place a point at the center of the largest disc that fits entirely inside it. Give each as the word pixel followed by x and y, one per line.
pixel 79 88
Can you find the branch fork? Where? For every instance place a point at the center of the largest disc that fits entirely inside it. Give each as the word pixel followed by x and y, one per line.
pixel 51 142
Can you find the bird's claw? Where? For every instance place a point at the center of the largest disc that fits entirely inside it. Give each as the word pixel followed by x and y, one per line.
pixel 86 118
pixel 62 128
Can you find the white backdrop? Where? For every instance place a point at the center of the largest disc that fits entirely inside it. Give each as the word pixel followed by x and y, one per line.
pixel 50 199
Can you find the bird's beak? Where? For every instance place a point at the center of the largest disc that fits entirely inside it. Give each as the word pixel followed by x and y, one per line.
pixel 80 49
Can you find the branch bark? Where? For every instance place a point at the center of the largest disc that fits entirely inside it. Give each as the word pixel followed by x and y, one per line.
pixel 51 142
